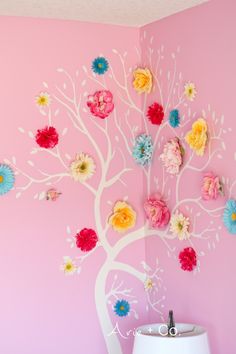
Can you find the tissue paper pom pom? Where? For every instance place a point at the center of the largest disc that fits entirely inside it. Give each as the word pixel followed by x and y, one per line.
pixel 100 65
pixel 188 259
pixel 143 149
pixel 47 137
pixel 122 308
pixel 229 216
pixel 86 239
pixel 100 103
pixel 174 118
pixel 155 113
pixel 157 212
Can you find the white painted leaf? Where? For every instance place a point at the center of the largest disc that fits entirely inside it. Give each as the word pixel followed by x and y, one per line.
pixel 85 94
pixel 217 237
pixel 125 54
pixel 16 173
pixel 83 83
pixel 109 202
pixel 64 86
pixel 173 55
pixel 6 161
pixel 18 194
pixel 204 113
pixel 67 156
pixel 84 68
pixel 136 316
pixel 36 196
pixel 222 119
pixel 34 151
pixel 115 51
pixel 145 266
pixel 30 163
pixel 31 135
pixel 64 131
pixel 202 253
pixel 78 270
pixel 68 230
pixel 71 245
pixel 56 112
pixel 21 130
pixel 219 156
pixel 151 39
pixel 41 195
pixel 85 110
pixel 60 70
pixel 168 75
pixel 43 112
pixel 144 34
pixel 125 198
pixel 209 107
pixel 223 145
pixel 14 160
pixel 45 84
pixel 77 73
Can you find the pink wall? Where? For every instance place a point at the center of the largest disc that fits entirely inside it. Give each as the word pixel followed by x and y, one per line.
pixel 205 36
pixel 42 310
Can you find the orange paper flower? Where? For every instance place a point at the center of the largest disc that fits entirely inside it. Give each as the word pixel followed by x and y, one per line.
pixel 123 217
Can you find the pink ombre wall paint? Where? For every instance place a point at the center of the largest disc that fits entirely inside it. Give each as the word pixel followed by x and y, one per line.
pixel 42 310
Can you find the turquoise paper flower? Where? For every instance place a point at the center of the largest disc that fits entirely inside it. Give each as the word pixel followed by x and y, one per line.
pixel 100 65
pixel 229 216
pixel 143 149
pixel 122 308
pixel 174 118
pixel 7 179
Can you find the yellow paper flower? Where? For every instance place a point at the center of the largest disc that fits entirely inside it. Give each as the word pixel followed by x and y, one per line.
pixel 43 99
pixel 179 225
pixel 148 284
pixel 190 91
pixel 68 266
pixel 123 217
pixel 82 168
pixel 197 137
pixel 142 80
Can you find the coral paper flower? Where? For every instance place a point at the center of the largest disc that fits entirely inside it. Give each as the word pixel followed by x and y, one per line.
pixel 155 113
pixel 86 239
pixel 142 80
pixel 211 187
pixel 229 216
pixel 47 137
pixel 188 259
pixel 190 91
pixel 197 137
pixel 157 212
pixel 143 149
pixel 52 194
pixel 100 103
pixel 43 99
pixel 174 118
pixel 122 308
pixel 100 65
pixel 148 284
pixel 82 168
pixel 7 178
pixel 123 217
pixel 172 156
pixel 179 225
pixel 68 267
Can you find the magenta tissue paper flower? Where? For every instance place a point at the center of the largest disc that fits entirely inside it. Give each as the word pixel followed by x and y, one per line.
pixel 100 103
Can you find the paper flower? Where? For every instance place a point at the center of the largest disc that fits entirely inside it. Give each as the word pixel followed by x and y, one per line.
pixel 53 194
pixel 190 91
pixel 142 80
pixel 86 239
pixel 100 103
pixel 7 178
pixel 188 259
pixel 229 216
pixel 123 217
pixel 172 156
pixel 155 113
pixel 148 284
pixel 100 65
pixel 197 137
pixel 174 118
pixel 68 267
pixel 179 225
pixel 156 212
pixel 82 168
pixel 211 187
pixel 143 149
pixel 122 308
pixel 43 99
pixel 47 137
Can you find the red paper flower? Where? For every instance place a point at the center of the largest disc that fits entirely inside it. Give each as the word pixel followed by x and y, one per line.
pixel 155 113
pixel 86 239
pixel 188 259
pixel 47 137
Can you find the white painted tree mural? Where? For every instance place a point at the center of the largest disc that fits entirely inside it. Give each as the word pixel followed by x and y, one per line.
pixel 118 135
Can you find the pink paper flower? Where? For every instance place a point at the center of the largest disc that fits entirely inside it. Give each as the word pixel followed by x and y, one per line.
pixel 172 156
pixel 211 187
pixel 100 103
pixel 157 212
pixel 188 259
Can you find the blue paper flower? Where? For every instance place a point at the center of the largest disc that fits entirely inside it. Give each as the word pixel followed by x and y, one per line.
pixel 174 118
pixel 122 308
pixel 100 65
pixel 7 179
pixel 143 149
pixel 229 216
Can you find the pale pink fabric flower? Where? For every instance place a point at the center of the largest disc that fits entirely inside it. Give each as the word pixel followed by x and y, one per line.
pixel 157 212
pixel 172 156
pixel 100 103
pixel 211 187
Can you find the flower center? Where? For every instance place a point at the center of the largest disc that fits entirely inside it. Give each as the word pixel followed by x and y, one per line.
pixel 83 167
pixel 1 179
pixel 233 216
pixel 68 266
pixel 180 226
pixel 190 91
pixel 122 308
pixel 100 65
